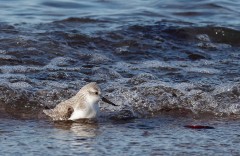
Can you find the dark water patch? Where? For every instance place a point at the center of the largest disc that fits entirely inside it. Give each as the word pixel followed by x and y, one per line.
pixel 195 57
pixel 8 29
pixel 192 14
pixel 79 20
pixel 65 5
pixel 216 34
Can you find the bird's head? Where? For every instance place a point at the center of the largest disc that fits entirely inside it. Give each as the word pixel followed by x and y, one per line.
pixel 93 93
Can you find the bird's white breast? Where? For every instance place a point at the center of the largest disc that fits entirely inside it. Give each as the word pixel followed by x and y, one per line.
pixel 88 112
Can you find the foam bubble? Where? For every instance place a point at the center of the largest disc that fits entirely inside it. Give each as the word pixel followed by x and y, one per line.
pixel 2 51
pixel 203 37
pixel 53 84
pixel 61 61
pixel 202 70
pixel 142 77
pixel 6 57
pixel 99 58
pixel 101 73
pixel 157 64
pixel 20 85
pixel 18 69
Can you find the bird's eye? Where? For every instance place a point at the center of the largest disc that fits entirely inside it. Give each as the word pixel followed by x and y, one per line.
pixel 96 93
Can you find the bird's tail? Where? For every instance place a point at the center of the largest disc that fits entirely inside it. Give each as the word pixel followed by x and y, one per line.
pixel 48 112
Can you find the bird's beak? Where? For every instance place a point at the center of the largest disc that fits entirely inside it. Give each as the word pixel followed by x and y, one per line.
pixel 107 101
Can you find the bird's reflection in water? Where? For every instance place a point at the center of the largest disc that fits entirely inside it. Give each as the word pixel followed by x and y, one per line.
pixel 82 128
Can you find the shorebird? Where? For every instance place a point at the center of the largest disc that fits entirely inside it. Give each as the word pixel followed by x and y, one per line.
pixel 84 105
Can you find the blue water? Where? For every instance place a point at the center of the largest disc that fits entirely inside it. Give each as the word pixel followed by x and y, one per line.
pixel 152 136
pixel 203 12
pixel 166 63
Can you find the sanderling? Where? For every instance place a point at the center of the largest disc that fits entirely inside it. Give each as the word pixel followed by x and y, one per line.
pixel 84 105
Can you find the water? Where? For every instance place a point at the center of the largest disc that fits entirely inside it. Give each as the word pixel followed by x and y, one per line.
pixel 149 136
pixel 166 64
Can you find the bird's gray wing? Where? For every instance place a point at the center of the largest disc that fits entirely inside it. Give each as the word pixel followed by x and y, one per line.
pixel 62 111
pixel 69 112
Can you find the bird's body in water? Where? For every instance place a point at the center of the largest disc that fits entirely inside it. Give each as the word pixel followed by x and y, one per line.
pixel 84 105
